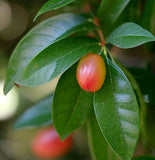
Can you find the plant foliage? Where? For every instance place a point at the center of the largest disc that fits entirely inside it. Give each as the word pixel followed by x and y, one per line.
pixel 54 46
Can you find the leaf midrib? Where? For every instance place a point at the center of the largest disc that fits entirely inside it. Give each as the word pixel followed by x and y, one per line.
pixel 74 50
pixel 153 38
pixel 55 40
pixel 75 106
pixel 17 73
pixel 60 2
pixel 116 105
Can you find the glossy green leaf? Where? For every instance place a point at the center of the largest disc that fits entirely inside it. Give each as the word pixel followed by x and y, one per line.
pixel 144 158
pixel 117 112
pixel 99 148
pixel 40 38
pixel 38 115
pixel 52 4
pixel 129 35
pixel 135 87
pixel 56 59
pixel 141 103
pixel 110 10
pixel 71 104
pixel 146 81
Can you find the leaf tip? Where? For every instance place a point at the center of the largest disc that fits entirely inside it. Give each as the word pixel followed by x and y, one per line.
pixel 7 87
pixel 5 90
pixel 37 15
pixel 34 19
pixel 62 135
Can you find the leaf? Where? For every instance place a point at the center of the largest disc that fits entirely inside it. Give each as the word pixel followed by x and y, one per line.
pixel 56 59
pixel 99 148
pixel 129 35
pixel 110 10
pixel 52 4
pixel 117 112
pixel 71 104
pixel 141 103
pixel 38 115
pixel 40 38
pixel 135 87
pixel 144 158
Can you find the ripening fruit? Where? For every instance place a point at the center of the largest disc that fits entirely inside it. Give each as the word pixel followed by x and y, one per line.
pixel 91 72
pixel 47 144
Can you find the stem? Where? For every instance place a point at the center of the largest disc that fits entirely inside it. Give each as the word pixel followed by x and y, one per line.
pixel 99 31
pixel 101 37
pixel 107 53
pixel 104 50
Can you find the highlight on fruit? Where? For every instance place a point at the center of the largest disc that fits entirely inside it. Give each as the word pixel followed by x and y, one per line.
pixel 47 144
pixel 91 72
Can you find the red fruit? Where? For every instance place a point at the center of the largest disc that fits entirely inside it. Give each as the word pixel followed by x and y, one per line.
pixel 91 72
pixel 47 144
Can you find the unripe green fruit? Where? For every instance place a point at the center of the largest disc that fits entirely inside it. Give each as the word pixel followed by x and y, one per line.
pixel 91 72
pixel 47 144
